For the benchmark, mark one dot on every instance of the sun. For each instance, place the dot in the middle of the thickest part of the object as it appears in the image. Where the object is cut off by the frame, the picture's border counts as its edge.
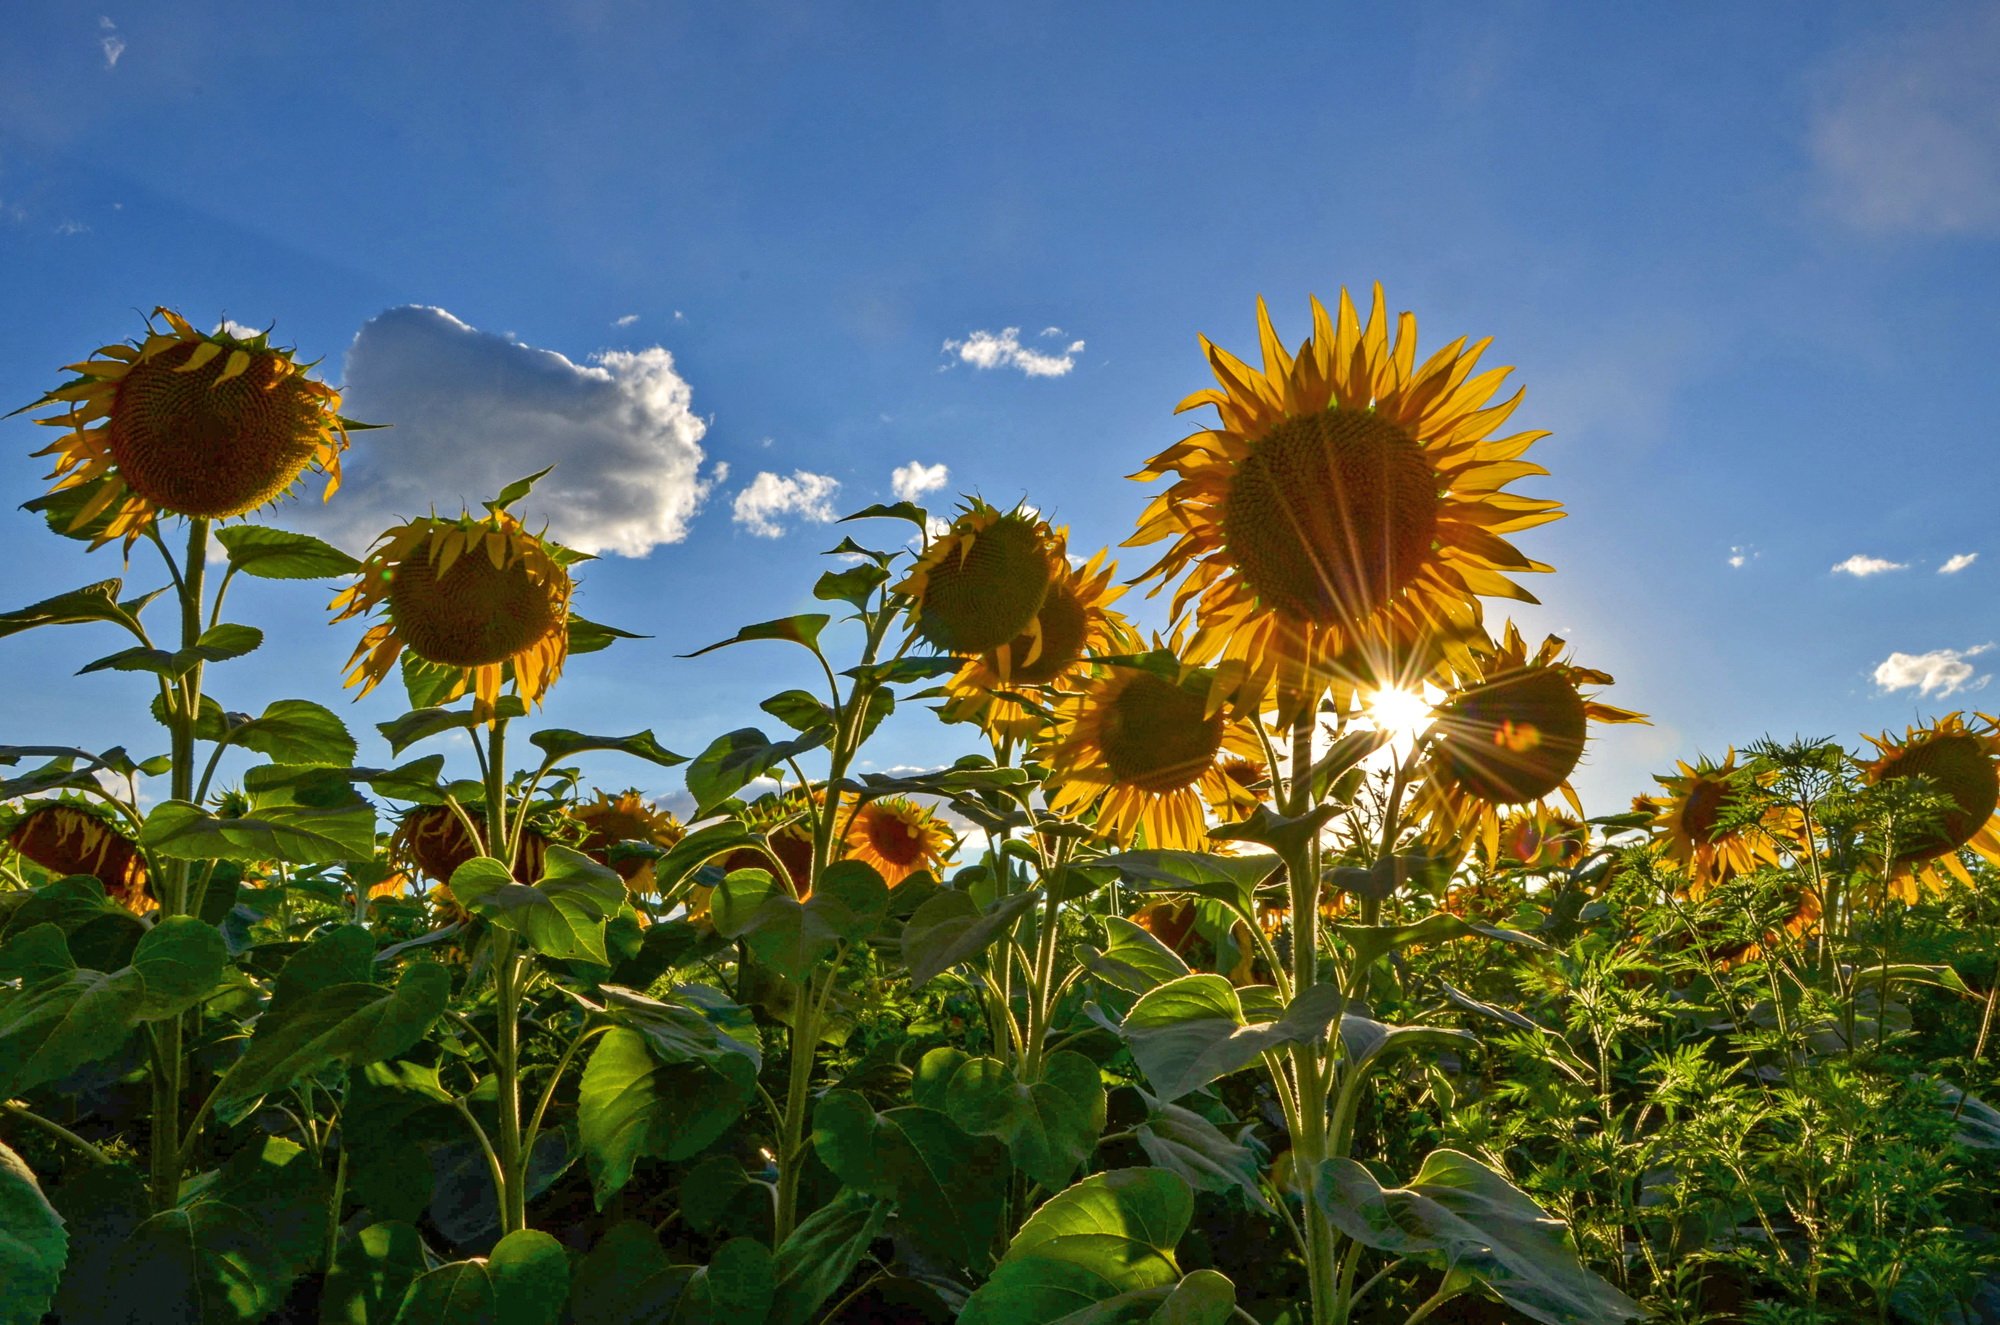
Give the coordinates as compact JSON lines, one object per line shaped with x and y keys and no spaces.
{"x":1404,"y":714}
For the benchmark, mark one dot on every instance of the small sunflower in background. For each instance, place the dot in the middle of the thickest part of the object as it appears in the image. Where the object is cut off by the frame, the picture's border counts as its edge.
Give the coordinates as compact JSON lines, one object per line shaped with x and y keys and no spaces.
{"x":1245,"y":783}
{"x":1539,"y":837}
{"x":1074,"y":622}
{"x":898,"y":837}
{"x":980,"y":584}
{"x":785,"y":821}
{"x":1347,"y":498}
{"x":1958,"y":760}
{"x":66,"y":838}
{"x":1687,"y":822}
{"x":185,"y":423}
{"x":1510,"y":733}
{"x":479,"y":595}
{"x":627,"y":817}
{"x":1145,"y":749}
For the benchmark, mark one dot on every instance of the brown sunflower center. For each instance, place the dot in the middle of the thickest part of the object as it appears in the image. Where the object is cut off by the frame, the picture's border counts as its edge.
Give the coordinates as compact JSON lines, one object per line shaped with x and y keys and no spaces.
{"x":195,"y":446}
{"x":1515,"y":738}
{"x":432,"y":839}
{"x":894,"y":838}
{"x":1703,"y":811}
{"x":66,"y":841}
{"x":1065,"y":626}
{"x":1155,"y":737}
{"x":1331,"y":515}
{"x":980,"y":597}
{"x":1956,"y":765}
{"x":474,"y":614}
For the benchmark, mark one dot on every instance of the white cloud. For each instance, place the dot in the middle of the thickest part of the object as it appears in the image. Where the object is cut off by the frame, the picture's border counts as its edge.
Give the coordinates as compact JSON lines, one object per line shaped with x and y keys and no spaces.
{"x":1957,"y":563}
{"x":1860,"y":565}
{"x":1052,"y":331}
{"x":1941,"y":671}
{"x":472,"y":411}
{"x":1906,"y":134}
{"x":761,"y":507}
{"x":913,"y":480}
{"x":985,"y":349}
{"x":110,"y":42}
{"x":72,"y":228}
{"x":626,"y":321}
{"x":1737,"y":559}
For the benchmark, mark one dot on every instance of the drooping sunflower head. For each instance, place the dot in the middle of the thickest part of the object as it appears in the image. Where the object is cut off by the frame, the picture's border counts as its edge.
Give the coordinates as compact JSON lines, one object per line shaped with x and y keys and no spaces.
{"x":432,"y":840}
{"x":1141,"y":744}
{"x":480,"y":596}
{"x":1509,"y":732}
{"x":785,"y":822}
{"x":979,"y":585}
{"x":628,"y":817}
{"x":1074,"y":622}
{"x":1689,"y":824}
{"x":1957,"y":759}
{"x":1345,"y":495}
{"x":898,"y":837}
{"x":67,"y":838}
{"x":185,"y":423}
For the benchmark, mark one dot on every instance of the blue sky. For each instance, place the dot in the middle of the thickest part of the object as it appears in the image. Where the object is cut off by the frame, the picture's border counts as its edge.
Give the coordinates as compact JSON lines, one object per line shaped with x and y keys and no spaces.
{"x":1743,"y":257}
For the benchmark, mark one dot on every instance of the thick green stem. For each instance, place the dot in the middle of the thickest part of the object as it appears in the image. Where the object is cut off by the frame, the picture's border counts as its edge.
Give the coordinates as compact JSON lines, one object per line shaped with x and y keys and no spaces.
{"x":166,"y":1141}
{"x":791,"y":1139}
{"x":507,"y":1071}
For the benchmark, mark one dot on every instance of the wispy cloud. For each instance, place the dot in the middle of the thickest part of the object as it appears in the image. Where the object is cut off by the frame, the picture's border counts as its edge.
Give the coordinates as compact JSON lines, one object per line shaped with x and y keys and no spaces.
{"x":108,"y":40}
{"x":473,"y":411}
{"x":1939,"y":673}
{"x":1906,"y":134}
{"x":1957,"y":563}
{"x":1741,"y":554}
{"x":763,"y":507}
{"x":626,"y":321}
{"x":986,"y":349}
{"x":1861,"y":566}
{"x":913,"y":480}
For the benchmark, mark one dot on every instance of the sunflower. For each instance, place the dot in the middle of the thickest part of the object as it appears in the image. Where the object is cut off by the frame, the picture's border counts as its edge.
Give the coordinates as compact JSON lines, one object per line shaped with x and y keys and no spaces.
{"x":1074,"y":622}
{"x":1688,"y":824}
{"x":627,"y":818}
{"x":1346,"y":497}
{"x":1146,"y":750}
{"x":478,"y":595}
{"x":1959,"y":761}
{"x":432,"y":841}
{"x":980,"y":584}
{"x":786,"y":826}
{"x":1244,"y":784}
{"x":1510,"y":733}
{"x":898,"y":837}
{"x":206,"y":426}
{"x":65,"y":839}
{"x":1539,"y":837}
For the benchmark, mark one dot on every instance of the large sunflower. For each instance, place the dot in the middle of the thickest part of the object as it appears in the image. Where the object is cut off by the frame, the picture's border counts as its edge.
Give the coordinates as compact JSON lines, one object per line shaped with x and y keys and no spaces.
{"x":66,"y":839}
{"x":477,"y":595}
{"x":1957,"y":760}
{"x":431,"y":840}
{"x":1347,"y":496}
{"x":1147,"y":751}
{"x":1687,"y":822}
{"x":897,"y":837}
{"x":1510,"y":733}
{"x":1074,"y":622}
{"x":189,"y":424}
{"x":980,"y":584}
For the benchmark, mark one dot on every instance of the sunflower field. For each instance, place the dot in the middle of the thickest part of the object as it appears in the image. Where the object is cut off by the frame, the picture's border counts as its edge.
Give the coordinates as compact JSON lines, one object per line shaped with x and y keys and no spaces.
{"x":1267,"y":969}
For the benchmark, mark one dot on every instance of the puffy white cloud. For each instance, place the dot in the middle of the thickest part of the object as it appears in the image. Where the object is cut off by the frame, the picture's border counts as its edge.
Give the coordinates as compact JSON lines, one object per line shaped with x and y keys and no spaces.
{"x":763,"y":506}
{"x":1906,"y":134}
{"x":1860,"y":566}
{"x":109,"y":42}
{"x":985,"y":349}
{"x":1737,"y":556}
{"x":913,"y":480}
{"x":1958,"y":562}
{"x":472,"y":411}
{"x":1940,"y":672}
